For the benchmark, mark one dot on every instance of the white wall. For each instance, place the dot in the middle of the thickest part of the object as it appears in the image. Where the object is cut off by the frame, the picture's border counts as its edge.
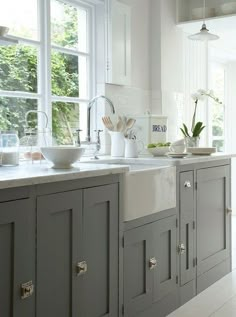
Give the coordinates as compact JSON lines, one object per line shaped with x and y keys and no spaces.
{"x":166,"y":63}
{"x":157,"y":52}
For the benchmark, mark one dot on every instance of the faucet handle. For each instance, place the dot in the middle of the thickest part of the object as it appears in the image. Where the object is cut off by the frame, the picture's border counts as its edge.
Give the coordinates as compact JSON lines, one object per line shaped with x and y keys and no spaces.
{"x":78,"y":142}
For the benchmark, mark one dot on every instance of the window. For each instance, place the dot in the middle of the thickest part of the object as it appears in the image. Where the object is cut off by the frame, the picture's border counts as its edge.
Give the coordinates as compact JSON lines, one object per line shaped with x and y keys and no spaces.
{"x":217,"y":111}
{"x":50,"y":69}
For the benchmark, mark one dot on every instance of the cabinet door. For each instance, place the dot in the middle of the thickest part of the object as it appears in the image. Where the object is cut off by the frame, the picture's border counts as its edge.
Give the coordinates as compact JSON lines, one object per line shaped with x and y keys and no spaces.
{"x":17,"y":257}
{"x":138,"y":277}
{"x":186,"y":201}
{"x":98,"y":288}
{"x":119,"y":43}
{"x":213,"y":232}
{"x":58,"y":227}
{"x":165,"y":251}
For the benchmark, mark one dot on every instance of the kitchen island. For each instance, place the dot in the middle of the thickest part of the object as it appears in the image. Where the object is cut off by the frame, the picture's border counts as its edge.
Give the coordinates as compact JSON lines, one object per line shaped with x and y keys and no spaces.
{"x":65,"y":243}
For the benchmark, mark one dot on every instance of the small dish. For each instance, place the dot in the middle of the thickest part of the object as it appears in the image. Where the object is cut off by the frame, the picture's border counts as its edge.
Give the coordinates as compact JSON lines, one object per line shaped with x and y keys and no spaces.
{"x":177,"y":155}
{"x":201,"y":150}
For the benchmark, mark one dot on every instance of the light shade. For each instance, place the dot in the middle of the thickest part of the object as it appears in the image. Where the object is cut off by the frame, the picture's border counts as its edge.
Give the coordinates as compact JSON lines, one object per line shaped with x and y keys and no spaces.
{"x":204,"y":35}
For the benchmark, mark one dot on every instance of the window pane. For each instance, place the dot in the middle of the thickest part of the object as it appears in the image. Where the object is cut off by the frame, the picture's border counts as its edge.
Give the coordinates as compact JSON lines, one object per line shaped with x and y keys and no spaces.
{"x":21,"y":16}
{"x":67,"y":118}
{"x":12,"y":113}
{"x":219,"y":144}
{"x":68,"y":26}
{"x":67,"y":70}
{"x":18,"y":68}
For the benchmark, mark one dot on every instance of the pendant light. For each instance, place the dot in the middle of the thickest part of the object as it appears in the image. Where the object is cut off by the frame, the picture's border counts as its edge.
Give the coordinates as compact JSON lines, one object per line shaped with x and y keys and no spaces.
{"x":204,"y":34}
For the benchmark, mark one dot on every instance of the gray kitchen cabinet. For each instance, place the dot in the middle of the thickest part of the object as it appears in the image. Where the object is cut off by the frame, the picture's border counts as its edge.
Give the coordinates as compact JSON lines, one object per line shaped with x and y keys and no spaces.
{"x":204,"y":233}
{"x":149,"y":264}
{"x":59,"y":226}
{"x":77,"y":253}
{"x":187,"y":226}
{"x":213,"y":219}
{"x":98,"y":288}
{"x":17,"y":258}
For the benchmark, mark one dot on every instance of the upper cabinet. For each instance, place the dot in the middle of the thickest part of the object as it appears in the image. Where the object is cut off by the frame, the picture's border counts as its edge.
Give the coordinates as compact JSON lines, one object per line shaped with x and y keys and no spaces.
{"x":118,"y":70}
{"x":191,"y":10}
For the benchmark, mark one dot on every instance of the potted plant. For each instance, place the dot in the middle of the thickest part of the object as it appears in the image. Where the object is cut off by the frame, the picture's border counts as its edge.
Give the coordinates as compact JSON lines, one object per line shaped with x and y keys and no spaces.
{"x":192,"y":137}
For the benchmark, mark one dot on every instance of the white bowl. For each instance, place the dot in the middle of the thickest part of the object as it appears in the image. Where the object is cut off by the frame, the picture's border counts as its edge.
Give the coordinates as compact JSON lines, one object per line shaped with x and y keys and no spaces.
{"x":3,"y":30}
{"x":228,"y":8}
{"x":159,"y":151}
{"x":62,"y":156}
{"x":197,"y":13}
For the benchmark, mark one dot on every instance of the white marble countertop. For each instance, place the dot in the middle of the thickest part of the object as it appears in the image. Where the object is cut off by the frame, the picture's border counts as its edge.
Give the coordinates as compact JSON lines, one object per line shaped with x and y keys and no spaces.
{"x":39,"y":173}
{"x":164,"y":160}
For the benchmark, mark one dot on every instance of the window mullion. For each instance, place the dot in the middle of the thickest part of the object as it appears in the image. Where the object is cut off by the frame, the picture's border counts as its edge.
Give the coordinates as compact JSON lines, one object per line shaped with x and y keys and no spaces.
{"x":45,"y":59}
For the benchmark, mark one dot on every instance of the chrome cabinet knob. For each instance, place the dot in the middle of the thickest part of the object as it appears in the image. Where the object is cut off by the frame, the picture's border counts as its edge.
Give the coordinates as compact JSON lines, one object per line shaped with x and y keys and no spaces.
{"x":181,"y":249}
{"x":81,"y":268}
{"x":229,"y":211}
{"x":27,"y":289}
{"x":152,"y":263}
{"x":187,"y":184}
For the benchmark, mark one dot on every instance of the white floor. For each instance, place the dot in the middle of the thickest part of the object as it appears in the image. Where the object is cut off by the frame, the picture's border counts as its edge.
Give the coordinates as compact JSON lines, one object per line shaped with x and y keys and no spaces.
{"x":219,"y":300}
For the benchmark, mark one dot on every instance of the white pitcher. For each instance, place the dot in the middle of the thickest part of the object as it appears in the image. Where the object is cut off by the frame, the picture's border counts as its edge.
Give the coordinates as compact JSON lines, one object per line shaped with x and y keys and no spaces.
{"x":117,"y":144}
{"x":133,"y":148}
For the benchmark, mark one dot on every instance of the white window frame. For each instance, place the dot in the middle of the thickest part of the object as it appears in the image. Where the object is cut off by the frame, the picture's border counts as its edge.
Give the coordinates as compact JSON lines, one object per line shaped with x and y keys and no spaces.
{"x":211,"y":137}
{"x":44,"y":95}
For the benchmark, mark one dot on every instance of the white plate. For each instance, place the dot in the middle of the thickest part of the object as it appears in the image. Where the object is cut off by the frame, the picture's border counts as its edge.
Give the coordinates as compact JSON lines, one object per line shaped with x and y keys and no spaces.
{"x":201,"y":150}
{"x":177,"y":155}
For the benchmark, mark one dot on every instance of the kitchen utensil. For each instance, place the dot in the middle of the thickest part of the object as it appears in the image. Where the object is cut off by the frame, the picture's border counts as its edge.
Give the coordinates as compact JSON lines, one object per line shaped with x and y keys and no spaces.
{"x":129,"y":125}
{"x":120,"y":125}
{"x":117,"y":144}
{"x":201,"y":150}
{"x":108,"y":123}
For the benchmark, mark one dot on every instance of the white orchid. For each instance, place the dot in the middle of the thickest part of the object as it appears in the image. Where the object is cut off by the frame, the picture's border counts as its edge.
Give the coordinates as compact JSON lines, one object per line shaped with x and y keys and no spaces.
{"x":201,"y":95}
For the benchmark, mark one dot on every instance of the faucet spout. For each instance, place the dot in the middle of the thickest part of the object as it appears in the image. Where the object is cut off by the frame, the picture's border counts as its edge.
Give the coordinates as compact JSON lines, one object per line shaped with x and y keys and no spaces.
{"x":90,"y":105}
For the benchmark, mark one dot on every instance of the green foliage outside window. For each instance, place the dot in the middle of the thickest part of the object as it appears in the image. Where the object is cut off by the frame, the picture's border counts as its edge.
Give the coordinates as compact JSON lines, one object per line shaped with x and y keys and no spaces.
{"x":18,"y":72}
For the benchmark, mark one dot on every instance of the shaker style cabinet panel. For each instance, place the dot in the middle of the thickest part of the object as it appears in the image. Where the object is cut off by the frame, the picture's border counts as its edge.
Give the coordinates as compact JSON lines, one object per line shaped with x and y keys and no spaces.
{"x":139,"y":262}
{"x":118,"y":43}
{"x":187,"y":225}
{"x":213,"y":220}
{"x":17,"y":258}
{"x":59,"y":228}
{"x":98,"y":288}
{"x":150,"y":256}
{"x":77,"y":253}
{"x":165,"y":245}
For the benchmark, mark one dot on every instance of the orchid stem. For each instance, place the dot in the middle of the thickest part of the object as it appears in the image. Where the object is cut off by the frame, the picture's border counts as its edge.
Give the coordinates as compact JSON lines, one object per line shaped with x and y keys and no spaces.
{"x":194,"y":115}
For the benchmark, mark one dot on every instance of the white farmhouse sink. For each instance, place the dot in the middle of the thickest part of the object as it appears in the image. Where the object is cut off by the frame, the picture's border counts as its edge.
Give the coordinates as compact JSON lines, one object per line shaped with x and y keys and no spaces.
{"x":146,"y":189}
